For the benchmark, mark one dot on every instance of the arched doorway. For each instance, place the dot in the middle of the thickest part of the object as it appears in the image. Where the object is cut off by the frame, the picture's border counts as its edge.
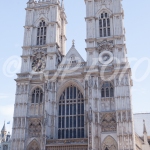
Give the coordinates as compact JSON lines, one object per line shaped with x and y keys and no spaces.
{"x":33,"y":145}
{"x":109,"y":143}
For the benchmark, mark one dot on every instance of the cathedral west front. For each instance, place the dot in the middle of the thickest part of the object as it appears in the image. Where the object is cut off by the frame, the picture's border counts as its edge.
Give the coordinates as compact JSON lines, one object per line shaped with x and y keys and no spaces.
{"x":64,"y":102}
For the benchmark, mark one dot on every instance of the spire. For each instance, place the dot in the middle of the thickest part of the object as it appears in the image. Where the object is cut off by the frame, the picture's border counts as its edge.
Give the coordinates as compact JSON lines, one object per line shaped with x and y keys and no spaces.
{"x":4,"y":128}
{"x":73,"y":43}
{"x":30,"y":1}
{"x":144,"y":127}
{"x":62,"y":4}
{"x":145,"y":133}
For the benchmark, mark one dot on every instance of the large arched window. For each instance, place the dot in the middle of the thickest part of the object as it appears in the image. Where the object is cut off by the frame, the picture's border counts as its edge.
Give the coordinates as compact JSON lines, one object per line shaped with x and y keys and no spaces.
{"x":41,"y":33}
{"x":37,"y":96}
{"x":107,"y":90}
{"x":104,"y":25}
{"x":71,"y":114}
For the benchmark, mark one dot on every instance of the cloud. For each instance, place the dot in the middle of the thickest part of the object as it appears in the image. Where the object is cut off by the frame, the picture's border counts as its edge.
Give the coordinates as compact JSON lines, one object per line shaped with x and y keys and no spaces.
{"x":3,"y":96}
{"x":139,"y":90}
{"x":7,"y":110}
{"x":17,"y":45}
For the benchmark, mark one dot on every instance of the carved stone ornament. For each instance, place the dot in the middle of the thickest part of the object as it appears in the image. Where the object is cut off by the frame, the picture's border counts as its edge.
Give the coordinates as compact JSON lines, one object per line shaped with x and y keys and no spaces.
{"x":105,"y":45}
{"x":33,"y":146}
{"x":106,"y":57}
{"x":35,"y":128}
{"x":39,"y":60}
{"x":108,"y":122}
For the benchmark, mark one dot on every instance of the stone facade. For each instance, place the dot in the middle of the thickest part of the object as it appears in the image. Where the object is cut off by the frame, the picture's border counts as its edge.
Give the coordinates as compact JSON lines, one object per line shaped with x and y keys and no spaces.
{"x":5,"y":139}
{"x":64,"y":102}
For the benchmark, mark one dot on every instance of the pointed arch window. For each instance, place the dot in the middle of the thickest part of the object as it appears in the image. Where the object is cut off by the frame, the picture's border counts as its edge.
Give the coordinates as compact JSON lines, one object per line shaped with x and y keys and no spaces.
{"x":41,"y":33}
{"x":104,"y":25}
{"x":71,"y":114}
{"x":107,"y":90}
{"x":37,"y":96}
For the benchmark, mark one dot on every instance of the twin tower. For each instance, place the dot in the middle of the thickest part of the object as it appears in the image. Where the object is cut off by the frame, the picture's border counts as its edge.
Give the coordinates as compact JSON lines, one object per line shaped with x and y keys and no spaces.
{"x":64,"y":102}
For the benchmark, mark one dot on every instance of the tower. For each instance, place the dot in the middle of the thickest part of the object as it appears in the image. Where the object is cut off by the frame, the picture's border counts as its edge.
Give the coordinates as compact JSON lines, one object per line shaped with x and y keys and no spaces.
{"x":63,"y":102}
{"x":43,"y":50}
{"x":107,"y":63}
{"x":3,"y":134}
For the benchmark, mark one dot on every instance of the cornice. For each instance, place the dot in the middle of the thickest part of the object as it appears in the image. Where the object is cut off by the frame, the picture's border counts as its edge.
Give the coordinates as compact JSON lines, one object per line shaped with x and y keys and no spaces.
{"x":40,"y":46}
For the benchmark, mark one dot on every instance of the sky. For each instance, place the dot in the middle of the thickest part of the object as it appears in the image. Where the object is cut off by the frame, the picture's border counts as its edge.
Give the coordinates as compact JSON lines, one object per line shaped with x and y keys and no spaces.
{"x":137,"y":25}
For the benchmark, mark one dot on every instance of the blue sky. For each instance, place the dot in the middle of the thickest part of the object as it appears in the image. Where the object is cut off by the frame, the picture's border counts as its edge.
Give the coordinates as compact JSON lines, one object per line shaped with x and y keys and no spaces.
{"x":137,"y":25}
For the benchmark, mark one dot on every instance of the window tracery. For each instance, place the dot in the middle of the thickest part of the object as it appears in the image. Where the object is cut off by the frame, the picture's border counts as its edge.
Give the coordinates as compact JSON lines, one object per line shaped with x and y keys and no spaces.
{"x":104,"y":25}
{"x":71,"y":114}
{"x":37,"y":96}
{"x":107,"y":90}
{"x":41,"y":33}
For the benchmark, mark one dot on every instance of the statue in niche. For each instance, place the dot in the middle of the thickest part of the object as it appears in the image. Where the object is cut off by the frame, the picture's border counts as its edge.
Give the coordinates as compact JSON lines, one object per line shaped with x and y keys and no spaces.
{"x":90,"y":115}
{"x":112,"y":105}
{"x":107,"y":105}
{"x":52,"y":121}
{"x":117,"y":82}
{"x":103,"y":107}
{"x":124,"y":116}
{"x":19,"y":122}
{"x":91,"y":82}
{"x":46,"y":118}
{"x":95,"y":86}
{"x":119,"y":117}
{"x":96,"y":118}
{"x":86,"y":84}
{"x":126,"y":80}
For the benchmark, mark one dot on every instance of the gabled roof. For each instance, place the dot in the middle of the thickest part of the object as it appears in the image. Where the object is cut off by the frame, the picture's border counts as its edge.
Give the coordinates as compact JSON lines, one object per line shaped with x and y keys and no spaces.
{"x":72,"y":52}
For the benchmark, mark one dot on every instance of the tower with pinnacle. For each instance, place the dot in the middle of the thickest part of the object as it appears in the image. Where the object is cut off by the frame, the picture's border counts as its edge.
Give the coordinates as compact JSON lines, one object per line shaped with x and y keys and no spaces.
{"x":63,"y":101}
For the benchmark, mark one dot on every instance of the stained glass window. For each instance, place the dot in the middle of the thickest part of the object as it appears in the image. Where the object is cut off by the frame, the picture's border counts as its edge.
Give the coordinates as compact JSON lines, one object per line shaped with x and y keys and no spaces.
{"x":104,"y":25}
{"x":41,"y":33}
{"x":107,"y":90}
{"x":71,"y":114}
{"x":37,"y":96}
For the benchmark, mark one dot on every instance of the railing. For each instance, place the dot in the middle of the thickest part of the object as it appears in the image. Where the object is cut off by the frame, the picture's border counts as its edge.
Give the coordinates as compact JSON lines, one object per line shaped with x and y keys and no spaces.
{"x":23,"y":75}
{"x":75,"y":65}
{"x":50,"y":1}
{"x":68,"y":141}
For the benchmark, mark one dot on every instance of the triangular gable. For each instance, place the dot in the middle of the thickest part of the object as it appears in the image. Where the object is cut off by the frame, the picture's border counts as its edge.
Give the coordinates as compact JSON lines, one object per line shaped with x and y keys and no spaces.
{"x":72,"y":52}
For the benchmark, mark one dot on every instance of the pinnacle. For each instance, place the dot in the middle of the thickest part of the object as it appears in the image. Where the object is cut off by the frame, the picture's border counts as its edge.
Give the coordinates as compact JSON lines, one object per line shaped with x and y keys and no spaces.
{"x":4,"y":127}
{"x":144,"y":127}
{"x":62,"y":4}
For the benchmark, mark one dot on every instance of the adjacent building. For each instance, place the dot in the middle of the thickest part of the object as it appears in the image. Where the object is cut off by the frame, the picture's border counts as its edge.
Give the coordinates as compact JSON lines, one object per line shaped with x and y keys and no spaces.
{"x":142,"y":131}
{"x":5,"y":143}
